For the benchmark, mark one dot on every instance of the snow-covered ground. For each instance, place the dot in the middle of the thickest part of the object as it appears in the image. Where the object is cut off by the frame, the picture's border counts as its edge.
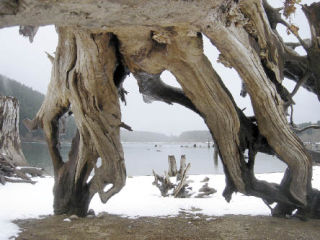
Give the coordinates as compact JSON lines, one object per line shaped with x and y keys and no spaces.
{"x":138,"y":198}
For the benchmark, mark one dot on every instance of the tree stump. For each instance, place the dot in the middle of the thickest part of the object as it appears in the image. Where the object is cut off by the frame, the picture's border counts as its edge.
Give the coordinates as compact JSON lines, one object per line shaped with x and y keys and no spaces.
{"x":13,"y":165}
{"x":10,"y":144}
{"x":179,"y":189}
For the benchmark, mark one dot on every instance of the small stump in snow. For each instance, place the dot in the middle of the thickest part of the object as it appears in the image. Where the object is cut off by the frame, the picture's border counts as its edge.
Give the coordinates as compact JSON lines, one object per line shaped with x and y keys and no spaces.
{"x":181,"y":188}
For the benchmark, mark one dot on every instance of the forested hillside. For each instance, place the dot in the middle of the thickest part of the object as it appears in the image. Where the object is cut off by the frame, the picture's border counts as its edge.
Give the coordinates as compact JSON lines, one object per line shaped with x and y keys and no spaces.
{"x":310,"y":135}
{"x":30,"y":102}
{"x":195,"y":136}
{"x":187,"y":136}
{"x":143,"y":136}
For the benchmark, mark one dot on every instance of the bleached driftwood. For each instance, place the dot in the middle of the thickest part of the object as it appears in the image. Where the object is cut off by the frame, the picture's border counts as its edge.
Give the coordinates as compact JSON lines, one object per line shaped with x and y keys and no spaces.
{"x":10,"y":144}
{"x":181,"y":188}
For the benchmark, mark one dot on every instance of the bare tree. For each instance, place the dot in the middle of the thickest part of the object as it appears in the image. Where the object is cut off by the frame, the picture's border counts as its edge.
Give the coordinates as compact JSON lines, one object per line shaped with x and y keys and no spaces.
{"x":100,"y":42}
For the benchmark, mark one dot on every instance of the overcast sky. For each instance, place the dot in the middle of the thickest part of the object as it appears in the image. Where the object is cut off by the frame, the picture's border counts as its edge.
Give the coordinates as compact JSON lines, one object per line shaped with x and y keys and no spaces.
{"x":28,"y":64}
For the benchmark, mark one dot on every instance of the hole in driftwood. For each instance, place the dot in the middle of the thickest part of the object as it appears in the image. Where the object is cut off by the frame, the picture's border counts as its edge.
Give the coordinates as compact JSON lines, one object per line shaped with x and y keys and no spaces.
{"x":107,"y":187}
{"x":91,"y":175}
{"x":168,"y":78}
{"x":99,"y":162}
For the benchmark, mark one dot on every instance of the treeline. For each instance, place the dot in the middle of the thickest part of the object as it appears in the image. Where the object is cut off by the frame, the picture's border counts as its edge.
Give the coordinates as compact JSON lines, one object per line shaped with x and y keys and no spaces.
{"x":30,"y":102}
{"x":143,"y":136}
{"x":195,"y":136}
{"x":310,"y":135}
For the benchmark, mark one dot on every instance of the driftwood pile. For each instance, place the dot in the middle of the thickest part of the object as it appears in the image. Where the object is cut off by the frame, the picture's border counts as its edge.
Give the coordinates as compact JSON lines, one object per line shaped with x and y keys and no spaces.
{"x":181,"y":188}
{"x":10,"y":172}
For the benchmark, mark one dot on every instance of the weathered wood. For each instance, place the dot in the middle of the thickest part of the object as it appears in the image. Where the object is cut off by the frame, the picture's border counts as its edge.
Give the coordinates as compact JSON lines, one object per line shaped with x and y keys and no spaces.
{"x":28,"y":31}
{"x":154,"y":89}
{"x":12,"y":180}
{"x":267,"y":104}
{"x":215,"y":155}
{"x":8,"y":7}
{"x":179,"y":191}
{"x":164,"y":184}
{"x":9,"y":172}
{"x":182,"y":166}
{"x":101,"y":14}
{"x":33,"y":171}
{"x":172,"y":170}
{"x":194,"y":78}
{"x":84,"y":81}
{"x":10,"y":144}
{"x":107,"y":40}
{"x":205,"y":191}
{"x":197,"y":78}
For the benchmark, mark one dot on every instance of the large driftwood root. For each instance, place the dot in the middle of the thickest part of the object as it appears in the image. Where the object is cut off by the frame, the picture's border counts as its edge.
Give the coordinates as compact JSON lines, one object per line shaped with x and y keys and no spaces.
{"x":89,"y":68}
{"x":203,"y":92}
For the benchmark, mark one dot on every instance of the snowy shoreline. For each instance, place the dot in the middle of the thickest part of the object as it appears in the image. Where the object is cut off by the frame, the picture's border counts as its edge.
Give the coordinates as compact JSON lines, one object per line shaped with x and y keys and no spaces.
{"x":138,"y":198}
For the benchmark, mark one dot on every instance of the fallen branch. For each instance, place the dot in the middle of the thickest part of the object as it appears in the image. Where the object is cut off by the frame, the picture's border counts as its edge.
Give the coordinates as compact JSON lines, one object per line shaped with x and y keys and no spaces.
{"x":300,"y":130}
{"x":7,"y":179}
{"x":9,"y":172}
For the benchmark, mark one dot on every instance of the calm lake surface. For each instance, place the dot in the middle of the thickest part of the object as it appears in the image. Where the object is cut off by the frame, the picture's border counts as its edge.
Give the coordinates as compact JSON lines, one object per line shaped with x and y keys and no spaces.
{"x":141,"y":158}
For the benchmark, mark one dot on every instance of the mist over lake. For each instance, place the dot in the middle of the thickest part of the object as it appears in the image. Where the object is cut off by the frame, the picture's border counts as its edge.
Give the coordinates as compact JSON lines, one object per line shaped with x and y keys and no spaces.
{"x":141,"y":158}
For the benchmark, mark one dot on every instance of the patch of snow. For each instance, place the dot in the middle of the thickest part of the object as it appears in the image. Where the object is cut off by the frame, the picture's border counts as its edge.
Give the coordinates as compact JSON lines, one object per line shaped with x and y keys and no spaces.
{"x":24,"y":200}
{"x":138,"y":198}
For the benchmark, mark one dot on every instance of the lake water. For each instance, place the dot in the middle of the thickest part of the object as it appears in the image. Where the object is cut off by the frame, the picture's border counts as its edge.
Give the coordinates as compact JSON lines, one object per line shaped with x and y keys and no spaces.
{"x":141,"y":158}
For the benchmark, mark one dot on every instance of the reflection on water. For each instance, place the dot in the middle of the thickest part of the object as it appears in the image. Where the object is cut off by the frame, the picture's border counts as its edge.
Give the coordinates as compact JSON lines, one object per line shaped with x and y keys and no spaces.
{"x":37,"y":154}
{"x":141,"y":158}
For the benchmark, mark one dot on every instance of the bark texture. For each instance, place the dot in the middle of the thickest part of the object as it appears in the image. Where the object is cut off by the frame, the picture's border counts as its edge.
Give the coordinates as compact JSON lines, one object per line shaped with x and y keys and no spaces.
{"x":104,"y":41}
